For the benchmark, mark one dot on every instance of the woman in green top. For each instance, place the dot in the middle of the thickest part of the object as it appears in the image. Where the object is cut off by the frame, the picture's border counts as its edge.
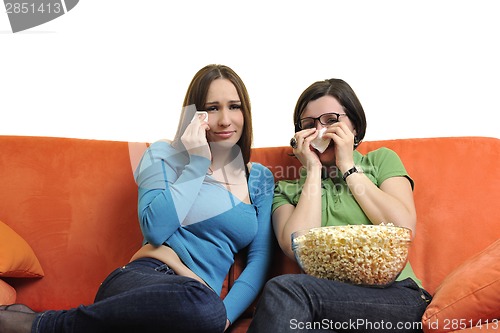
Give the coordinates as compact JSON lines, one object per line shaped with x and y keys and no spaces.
{"x":339,"y":186}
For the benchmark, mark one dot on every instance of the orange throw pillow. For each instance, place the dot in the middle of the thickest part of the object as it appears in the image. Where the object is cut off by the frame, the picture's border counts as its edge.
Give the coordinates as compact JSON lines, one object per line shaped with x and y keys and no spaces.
{"x":17,"y":258}
{"x":467,"y":296}
{"x":7,"y":294}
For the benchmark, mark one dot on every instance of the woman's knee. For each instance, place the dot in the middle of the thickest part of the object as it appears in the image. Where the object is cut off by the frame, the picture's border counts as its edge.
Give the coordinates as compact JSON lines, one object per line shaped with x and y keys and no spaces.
{"x":288,"y":284}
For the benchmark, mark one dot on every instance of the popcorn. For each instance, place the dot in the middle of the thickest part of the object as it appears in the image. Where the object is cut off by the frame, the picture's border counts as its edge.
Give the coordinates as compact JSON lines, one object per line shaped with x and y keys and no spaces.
{"x":319,"y":143}
{"x":358,"y":254}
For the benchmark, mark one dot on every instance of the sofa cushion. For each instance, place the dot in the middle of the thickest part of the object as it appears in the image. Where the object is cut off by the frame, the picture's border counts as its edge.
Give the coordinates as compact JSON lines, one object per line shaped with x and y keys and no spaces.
{"x":468,"y":295}
{"x":7,"y":293}
{"x":17,"y":258}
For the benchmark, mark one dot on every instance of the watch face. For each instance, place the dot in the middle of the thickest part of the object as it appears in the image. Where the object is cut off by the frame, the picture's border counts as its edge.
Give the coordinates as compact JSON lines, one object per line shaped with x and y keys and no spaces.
{"x":350,"y":172}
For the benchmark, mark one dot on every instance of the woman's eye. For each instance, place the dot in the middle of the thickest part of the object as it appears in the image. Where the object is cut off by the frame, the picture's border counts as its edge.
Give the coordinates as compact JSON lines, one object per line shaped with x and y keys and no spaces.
{"x":211,"y":108}
{"x":235,"y":107}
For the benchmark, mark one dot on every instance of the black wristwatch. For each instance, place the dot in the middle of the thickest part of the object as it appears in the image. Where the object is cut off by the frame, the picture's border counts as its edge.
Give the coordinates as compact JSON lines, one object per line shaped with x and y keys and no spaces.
{"x":350,"y":172}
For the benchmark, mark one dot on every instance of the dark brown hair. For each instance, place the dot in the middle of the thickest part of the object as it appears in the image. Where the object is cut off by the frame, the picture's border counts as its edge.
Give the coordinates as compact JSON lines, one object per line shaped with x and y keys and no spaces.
{"x":197,"y":94}
{"x":343,"y":93}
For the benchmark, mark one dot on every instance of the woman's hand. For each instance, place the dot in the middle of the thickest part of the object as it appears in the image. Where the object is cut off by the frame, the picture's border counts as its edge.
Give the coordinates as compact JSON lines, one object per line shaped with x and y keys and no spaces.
{"x":194,"y":138}
{"x":343,"y":140}
{"x":304,"y":150}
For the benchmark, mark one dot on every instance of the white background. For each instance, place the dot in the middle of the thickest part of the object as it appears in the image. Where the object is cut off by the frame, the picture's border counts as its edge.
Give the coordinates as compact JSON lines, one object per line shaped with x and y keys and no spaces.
{"x":118,"y":69}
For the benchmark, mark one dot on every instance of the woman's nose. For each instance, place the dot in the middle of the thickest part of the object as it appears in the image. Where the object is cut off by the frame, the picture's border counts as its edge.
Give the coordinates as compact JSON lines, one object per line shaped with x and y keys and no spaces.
{"x":224,"y":118}
{"x":319,"y":125}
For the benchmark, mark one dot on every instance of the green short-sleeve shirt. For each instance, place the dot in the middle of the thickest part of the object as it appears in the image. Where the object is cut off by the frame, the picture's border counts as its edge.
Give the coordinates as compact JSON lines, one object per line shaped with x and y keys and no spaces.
{"x":338,"y":204}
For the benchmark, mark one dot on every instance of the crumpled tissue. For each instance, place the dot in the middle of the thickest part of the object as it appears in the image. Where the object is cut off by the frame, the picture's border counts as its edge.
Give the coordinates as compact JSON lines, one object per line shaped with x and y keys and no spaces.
{"x":319,"y":143}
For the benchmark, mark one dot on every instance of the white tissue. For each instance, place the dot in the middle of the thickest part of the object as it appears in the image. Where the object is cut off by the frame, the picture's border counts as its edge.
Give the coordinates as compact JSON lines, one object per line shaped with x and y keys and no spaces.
{"x":198,"y":113}
{"x":319,"y":143}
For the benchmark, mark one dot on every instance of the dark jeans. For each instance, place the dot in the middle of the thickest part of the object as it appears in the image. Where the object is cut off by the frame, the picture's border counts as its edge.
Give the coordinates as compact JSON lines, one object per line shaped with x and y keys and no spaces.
{"x":302,"y":303}
{"x":143,"y":296}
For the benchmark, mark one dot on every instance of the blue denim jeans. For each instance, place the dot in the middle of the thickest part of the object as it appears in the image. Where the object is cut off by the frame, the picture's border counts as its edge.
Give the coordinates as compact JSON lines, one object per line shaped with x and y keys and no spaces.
{"x":143,"y":296}
{"x":302,"y":303}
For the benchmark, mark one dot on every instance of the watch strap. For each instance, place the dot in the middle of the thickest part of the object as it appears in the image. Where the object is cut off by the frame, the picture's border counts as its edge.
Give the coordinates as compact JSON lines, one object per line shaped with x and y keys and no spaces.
{"x":349,"y":172}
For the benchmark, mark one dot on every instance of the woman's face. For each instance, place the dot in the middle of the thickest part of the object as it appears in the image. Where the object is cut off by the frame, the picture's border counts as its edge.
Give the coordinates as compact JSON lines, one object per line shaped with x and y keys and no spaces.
{"x":225,"y":116}
{"x":318,"y":107}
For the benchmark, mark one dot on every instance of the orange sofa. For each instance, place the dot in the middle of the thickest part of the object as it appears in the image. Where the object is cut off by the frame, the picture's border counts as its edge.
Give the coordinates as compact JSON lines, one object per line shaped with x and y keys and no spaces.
{"x":74,"y":202}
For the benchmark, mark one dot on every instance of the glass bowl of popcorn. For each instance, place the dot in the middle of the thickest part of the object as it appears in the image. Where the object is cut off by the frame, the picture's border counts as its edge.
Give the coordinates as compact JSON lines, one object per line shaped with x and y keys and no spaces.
{"x":370,"y":255}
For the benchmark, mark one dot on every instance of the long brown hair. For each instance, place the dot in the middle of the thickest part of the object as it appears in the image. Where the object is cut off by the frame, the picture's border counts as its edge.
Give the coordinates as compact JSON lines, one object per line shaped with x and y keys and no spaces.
{"x":196,"y":97}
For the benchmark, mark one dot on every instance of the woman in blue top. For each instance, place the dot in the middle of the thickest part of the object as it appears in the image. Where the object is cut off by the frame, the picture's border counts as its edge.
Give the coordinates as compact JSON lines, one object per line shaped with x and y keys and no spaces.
{"x":339,"y":186}
{"x":200,"y":202}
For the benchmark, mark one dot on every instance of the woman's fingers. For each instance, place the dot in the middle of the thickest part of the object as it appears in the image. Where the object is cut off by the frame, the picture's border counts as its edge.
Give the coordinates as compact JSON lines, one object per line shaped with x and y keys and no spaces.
{"x":343,"y":139}
{"x":194,"y":137}
{"x":340,"y":134}
{"x":304,"y":138}
{"x":303,"y":150}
